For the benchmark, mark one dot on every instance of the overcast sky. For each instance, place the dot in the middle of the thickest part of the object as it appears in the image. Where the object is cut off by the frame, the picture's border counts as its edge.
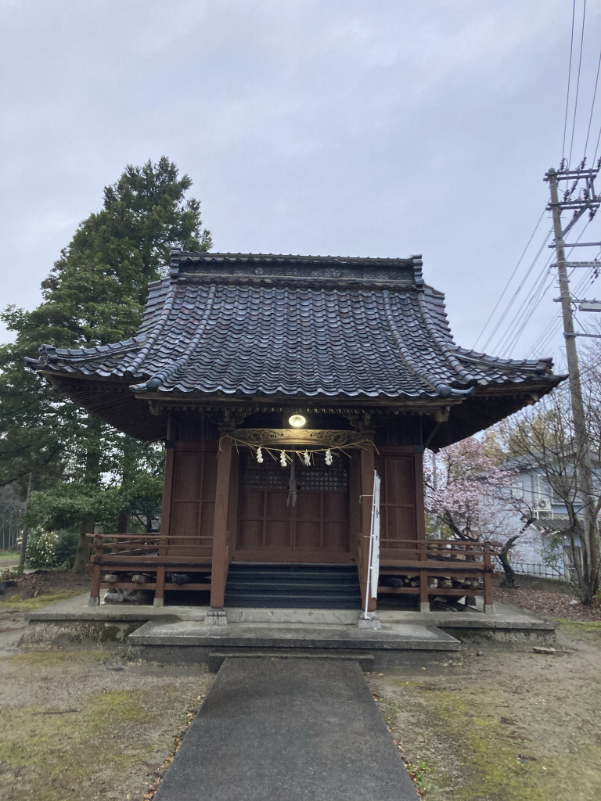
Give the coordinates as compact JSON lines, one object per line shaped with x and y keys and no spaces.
{"x":371,"y":128}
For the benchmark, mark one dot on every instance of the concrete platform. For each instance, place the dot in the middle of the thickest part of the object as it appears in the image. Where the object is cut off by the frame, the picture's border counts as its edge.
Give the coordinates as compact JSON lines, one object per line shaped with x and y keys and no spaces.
{"x":288,"y":730}
{"x":393,"y":645}
{"x":74,"y":621}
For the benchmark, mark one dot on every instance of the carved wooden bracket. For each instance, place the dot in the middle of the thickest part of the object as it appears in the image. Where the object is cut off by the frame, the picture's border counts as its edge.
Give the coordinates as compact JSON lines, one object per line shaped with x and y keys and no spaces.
{"x":309,"y":437}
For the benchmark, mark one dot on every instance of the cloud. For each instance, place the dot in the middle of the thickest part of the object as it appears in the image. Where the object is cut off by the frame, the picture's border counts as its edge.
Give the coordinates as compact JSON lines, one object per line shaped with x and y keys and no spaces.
{"x":382,"y":128}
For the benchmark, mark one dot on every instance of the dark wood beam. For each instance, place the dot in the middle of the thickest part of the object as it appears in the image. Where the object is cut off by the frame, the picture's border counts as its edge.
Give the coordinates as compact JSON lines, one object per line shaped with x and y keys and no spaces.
{"x":219,"y":561}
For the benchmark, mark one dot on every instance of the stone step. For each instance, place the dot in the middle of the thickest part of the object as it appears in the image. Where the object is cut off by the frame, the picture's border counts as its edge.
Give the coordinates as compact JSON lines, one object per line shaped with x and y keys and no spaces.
{"x":170,"y":642}
{"x":366,"y":661}
{"x":323,"y":617}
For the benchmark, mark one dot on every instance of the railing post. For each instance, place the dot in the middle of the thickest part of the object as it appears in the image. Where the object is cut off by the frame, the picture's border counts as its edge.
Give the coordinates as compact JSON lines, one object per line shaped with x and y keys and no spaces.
{"x":94,"y":599}
{"x":489,"y":607}
{"x":159,"y":592}
{"x":424,"y":602}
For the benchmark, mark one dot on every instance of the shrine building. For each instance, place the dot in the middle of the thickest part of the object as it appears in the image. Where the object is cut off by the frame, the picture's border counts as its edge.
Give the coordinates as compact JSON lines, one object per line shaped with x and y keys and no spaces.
{"x":279,"y":384}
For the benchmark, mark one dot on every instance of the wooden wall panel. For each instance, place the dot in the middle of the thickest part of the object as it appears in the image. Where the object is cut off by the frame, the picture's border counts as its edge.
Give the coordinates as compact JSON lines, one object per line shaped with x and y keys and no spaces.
{"x":192,"y":498}
{"x":354,"y":505}
{"x":401,"y":498}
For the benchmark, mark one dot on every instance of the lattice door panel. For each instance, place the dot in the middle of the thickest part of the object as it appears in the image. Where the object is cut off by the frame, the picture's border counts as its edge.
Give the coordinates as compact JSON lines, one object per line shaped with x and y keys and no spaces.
{"x":270,"y":526}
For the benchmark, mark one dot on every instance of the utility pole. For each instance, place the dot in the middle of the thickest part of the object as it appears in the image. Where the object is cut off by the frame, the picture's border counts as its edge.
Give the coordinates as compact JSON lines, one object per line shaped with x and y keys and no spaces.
{"x":586,"y":200}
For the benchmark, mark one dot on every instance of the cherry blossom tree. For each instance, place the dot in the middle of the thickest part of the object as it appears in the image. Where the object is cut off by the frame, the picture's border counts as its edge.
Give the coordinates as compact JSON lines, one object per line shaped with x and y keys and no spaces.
{"x":469,"y":497}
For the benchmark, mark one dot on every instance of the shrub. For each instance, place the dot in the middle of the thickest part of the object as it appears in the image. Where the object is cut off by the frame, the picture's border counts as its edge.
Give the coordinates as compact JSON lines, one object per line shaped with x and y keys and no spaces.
{"x":41,"y":548}
{"x":66,"y":548}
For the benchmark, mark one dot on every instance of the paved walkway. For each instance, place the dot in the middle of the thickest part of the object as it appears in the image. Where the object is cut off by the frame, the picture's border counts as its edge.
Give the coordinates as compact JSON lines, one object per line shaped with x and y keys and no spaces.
{"x":287,"y":730}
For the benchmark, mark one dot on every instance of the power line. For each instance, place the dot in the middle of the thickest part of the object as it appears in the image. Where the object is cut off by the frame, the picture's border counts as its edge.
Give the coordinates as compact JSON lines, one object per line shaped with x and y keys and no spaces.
{"x":565,"y":122}
{"x":578,"y":81}
{"x":517,"y":292}
{"x":486,"y":324}
{"x":532,"y":301}
{"x":597,"y":146}
{"x":588,"y":132}
{"x":525,"y":306}
{"x":554,"y":325}
{"x":535,"y":297}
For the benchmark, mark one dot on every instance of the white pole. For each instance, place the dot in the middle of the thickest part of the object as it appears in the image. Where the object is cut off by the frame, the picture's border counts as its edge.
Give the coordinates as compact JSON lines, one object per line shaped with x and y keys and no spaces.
{"x":373,"y":567}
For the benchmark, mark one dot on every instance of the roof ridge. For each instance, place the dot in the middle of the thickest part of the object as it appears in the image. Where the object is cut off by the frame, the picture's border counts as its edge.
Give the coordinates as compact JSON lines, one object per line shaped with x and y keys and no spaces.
{"x":535,"y":364}
{"x":210,"y":255}
{"x":151,"y":340}
{"x":438,"y":340}
{"x":400,"y":343}
{"x":172,"y":369}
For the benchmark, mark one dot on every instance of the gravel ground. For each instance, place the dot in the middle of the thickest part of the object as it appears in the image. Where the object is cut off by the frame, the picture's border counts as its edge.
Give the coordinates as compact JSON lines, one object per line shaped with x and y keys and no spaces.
{"x":42,"y":582}
{"x":502,"y":725}
{"x":87,"y":725}
{"x":547,"y":604}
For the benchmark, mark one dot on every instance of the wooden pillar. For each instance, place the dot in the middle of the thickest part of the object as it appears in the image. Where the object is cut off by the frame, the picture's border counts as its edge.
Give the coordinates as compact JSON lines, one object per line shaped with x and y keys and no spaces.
{"x":489,"y":606}
{"x":420,"y":509}
{"x":159,"y":593}
{"x":354,"y":504}
{"x":424,"y":601}
{"x":94,"y":599}
{"x":219,"y":561}
{"x":367,"y":489}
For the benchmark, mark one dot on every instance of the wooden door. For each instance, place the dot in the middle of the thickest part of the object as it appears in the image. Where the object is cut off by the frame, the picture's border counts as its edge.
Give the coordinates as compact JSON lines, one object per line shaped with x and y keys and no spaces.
{"x":401,"y":516}
{"x":273,"y":528}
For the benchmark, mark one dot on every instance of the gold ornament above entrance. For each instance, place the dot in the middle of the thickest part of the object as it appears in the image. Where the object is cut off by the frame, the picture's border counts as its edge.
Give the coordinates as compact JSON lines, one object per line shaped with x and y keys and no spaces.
{"x":309,"y":437}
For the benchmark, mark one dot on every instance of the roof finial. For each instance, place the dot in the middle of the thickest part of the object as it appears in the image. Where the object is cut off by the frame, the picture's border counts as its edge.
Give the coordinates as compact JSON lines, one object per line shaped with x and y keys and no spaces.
{"x":174,"y":256}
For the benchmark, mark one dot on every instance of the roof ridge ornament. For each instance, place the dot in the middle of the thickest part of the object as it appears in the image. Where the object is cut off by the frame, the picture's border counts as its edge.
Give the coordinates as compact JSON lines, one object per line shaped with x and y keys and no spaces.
{"x":418,"y":274}
{"x":403,"y":350}
{"x":154,"y":335}
{"x":445,"y":391}
{"x":48,"y":355}
{"x":174,"y":261}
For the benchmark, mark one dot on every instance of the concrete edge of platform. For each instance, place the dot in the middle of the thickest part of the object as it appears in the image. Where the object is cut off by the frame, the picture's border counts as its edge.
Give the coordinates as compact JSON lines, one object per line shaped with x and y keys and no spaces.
{"x":366,"y":661}
{"x":212,"y":657}
{"x":70,"y":622}
{"x":186,"y":635}
{"x":77,"y":609}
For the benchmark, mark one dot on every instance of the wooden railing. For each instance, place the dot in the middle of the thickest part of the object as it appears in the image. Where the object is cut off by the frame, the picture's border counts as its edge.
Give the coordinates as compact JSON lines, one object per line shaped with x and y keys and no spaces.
{"x":467,"y":566}
{"x":133,"y":547}
{"x":427,"y":567}
{"x":147,"y":554}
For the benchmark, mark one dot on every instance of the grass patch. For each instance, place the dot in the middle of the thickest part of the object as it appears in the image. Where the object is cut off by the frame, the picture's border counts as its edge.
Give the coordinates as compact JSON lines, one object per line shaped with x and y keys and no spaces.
{"x":420,"y":774}
{"x":587,"y":630}
{"x":17,"y":604}
{"x":7,"y":556}
{"x":494,"y":770}
{"x":89,"y":750}
{"x":57,"y":658}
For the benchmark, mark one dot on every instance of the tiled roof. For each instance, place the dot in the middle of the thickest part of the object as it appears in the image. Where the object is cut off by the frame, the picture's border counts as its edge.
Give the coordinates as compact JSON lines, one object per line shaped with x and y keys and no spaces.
{"x":265,"y":325}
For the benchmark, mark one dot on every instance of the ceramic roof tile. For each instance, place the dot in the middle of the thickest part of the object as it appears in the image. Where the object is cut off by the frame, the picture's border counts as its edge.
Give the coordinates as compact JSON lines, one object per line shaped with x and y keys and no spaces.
{"x":298,"y":326}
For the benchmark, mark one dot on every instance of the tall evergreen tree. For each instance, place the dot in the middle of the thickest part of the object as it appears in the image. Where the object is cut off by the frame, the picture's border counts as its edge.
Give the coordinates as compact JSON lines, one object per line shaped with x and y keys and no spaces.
{"x":94,"y":294}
